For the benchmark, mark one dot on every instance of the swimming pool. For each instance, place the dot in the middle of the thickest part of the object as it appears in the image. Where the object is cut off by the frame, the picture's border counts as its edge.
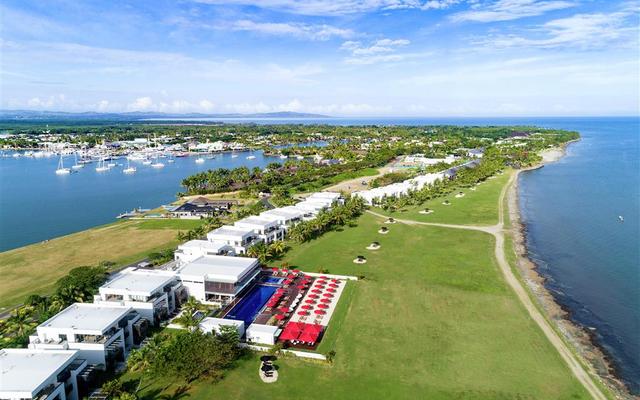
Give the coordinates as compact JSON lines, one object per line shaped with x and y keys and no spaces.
{"x":272,"y":279}
{"x":251,"y":304}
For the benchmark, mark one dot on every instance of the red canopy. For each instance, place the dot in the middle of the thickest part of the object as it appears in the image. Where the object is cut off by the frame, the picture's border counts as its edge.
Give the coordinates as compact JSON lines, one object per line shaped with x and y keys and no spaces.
{"x":335,"y":281}
{"x":288,"y":281}
{"x":310,"y":333}
{"x":324,"y":277}
{"x":291,"y":331}
{"x":301,"y":287}
{"x":325,"y":300}
{"x":307,"y":307}
{"x":327,"y":295}
{"x":333,"y":285}
{"x":280,"y":317}
{"x":320,"y":312}
{"x":331,"y":290}
{"x":317,"y":291}
{"x":313,"y":296}
{"x":291,"y":276}
{"x":323,"y":305}
{"x":321,"y":281}
{"x":310,"y":301}
{"x":296,"y":271}
{"x":303,"y":312}
{"x":285,"y":270}
{"x":275,"y":269}
{"x":284,"y":309}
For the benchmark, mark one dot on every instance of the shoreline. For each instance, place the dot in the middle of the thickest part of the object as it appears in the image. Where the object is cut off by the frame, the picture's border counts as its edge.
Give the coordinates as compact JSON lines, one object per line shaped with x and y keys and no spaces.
{"x":579,"y":337}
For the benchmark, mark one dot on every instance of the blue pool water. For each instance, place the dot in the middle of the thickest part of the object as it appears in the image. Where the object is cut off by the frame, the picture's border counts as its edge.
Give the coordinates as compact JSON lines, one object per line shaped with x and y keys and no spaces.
{"x":247,"y":309}
{"x":272,"y":279}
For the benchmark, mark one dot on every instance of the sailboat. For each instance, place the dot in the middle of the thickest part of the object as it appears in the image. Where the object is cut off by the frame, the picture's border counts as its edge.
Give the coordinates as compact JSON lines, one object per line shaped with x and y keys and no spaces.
{"x":61,"y":169}
{"x":171,"y":160}
{"x":157,"y":164}
{"x":199,"y":160}
{"x":76,"y":165}
{"x":101,"y":166}
{"x":129,"y":169}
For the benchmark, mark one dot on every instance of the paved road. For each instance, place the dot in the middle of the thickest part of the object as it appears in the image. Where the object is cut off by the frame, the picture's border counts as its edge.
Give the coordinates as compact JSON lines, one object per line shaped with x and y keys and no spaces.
{"x":585,"y":378}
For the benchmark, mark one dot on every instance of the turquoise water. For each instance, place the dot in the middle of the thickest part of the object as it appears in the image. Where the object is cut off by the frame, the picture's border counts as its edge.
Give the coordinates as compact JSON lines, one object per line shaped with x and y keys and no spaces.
{"x":571,"y":208}
{"x":36,"y":204}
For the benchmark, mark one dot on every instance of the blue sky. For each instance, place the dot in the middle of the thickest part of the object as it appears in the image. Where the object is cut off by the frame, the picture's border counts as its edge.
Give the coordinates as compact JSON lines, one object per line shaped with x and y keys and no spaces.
{"x":340,"y":57}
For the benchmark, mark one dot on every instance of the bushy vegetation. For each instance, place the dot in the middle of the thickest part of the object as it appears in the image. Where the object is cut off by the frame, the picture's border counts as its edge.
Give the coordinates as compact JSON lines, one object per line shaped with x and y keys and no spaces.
{"x":325,"y":221}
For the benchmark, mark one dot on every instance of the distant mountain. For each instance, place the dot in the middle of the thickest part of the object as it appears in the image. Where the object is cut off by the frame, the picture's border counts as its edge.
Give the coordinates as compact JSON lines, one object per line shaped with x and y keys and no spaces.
{"x":14,"y":115}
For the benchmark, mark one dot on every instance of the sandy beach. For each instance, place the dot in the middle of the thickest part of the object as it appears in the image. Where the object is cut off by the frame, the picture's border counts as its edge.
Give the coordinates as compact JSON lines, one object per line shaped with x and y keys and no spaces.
{"x":578,"y":337}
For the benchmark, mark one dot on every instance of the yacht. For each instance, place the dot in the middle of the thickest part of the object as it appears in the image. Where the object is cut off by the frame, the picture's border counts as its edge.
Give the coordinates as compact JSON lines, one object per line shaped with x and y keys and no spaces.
{"x":282,"y":156}
{"x":234,"y":155}
{"x":146,"y":162}
{"x":129,"y":169}
{"x":61,"y":169}
{"x":199,"y":160}
{"x":101,"y":166}
{"x":77,"y":165}
{"x":250,"y":157}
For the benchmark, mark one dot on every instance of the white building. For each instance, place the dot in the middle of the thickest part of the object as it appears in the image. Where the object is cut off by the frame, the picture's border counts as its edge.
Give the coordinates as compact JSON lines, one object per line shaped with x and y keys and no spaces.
{"x":154,"y":294}
{"x":331,"y":197}
{"x":286,"y":217}
{"x":212,"y":325}
{"x":267,"y":229}
{"x":240,"y":239}
{"x":218,"y":279}
{"x":194,"y":249}
{"x":40,"y":374}
{"x":103,"y":334}
{"x":310,"y":209}
{"x":263,"y":334}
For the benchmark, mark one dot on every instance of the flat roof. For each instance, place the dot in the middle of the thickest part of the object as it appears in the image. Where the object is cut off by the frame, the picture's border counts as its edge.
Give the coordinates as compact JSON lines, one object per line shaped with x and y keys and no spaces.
{"x":288,"y":212}
{"x":254,"y":220}
{"x":210,"y":324}
{"x":200,"y":244}
{"x":272,"y":329}
{"x":325,"y":195}
{"x":86,"y":317}
{"x":23,"y":371}
{"x":229,"y":230}
{"x":138,"y":281}
{"x":219,"y":268}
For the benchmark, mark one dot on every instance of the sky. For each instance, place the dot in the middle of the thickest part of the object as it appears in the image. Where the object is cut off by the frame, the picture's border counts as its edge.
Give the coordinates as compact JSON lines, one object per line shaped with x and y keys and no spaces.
{"x":425,"y":58}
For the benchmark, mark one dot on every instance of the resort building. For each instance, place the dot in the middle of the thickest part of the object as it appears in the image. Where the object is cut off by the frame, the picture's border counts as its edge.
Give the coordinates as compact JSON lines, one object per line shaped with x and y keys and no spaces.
{"x":262,"y":334}
{"x":240,"y":239}
{"x":154,"y":294}
{"x":285,"y":216}
{"x":194,"y":249}
{"x":212,"y":325}
{"x":40,"y":374}
{"x":327,"y":197}
{"x":218,"y":280}
{"x":375,"y":195}
{"x":201,"y":207}
{"x":267,"y":229}
{"x":310,"y":209}
{"x":103,"y":334}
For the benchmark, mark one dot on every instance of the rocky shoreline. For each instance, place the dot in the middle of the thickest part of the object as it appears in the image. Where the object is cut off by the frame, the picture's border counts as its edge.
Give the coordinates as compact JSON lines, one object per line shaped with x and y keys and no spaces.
{"x":582,"y":340}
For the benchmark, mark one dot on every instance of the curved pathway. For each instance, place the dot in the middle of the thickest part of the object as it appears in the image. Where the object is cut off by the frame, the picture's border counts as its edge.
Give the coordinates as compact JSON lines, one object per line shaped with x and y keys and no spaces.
{"x":498,"y":233}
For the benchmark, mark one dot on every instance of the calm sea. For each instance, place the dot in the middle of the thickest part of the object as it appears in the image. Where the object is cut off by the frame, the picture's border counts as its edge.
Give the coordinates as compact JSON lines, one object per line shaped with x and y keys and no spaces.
{"x":571,"y":208}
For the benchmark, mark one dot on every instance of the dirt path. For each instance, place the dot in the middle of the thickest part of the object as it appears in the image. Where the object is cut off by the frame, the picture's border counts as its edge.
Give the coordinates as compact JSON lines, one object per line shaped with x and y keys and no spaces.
{"x":498,"y":233}
{"x":354,"y":185}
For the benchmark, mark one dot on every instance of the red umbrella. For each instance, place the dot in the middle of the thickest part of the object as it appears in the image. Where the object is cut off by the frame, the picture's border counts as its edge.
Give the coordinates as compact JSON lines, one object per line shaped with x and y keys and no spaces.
{"x":317,"y":291}
{"x":307,"y":307}
{"x":280,"y":291}
{"x":285,"y":270}
{"x":321,"y":281}
{"x":296,"y":271}
{"x":320,"y":312}
{"x":333,"y":285}
{"x":327,"y":295}
{"x":291,"y":276}
{"x":310,"y":301}
{"x":335,"y":281}
{"x":303,"y":312}
{"x":325,"y":300}
{"x":324,"y":277}
{"x":319,"y":286}
{"x":301,"y":287}
{"x":283,"y":309}
{"x":331,"y":290}
{"x":323,"y":306}
{"x":275,"y":269}
{"x":313,"y":296}
{"x":280,"y":317}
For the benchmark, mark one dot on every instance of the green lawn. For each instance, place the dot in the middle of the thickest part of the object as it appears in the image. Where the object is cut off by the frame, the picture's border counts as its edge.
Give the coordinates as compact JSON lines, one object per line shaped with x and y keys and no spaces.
{"x":35,"y":268}
{"x":432,"y":319}
{"x":477,"y":207}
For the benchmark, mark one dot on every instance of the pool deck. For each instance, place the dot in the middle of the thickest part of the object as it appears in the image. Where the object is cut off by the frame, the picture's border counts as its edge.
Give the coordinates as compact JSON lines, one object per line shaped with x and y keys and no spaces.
{"x":319,"y":319}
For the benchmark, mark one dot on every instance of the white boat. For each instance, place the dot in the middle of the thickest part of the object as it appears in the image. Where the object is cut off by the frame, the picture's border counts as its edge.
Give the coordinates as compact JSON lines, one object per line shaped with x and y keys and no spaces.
{"x":111,"y":164}
{"x":129,"y":169}
{"x":199,"y":160}
{"x":250,"y":157}
{"x":101,"y":166}
{"x":171,"y":161}
{"x":61,"y":169}
{"x":282,"y":156}
{"x":157,"y":164}
{"x":234,"y":155}
{"x":621,"y":218}
{"x":146,"y":162}
{"x":76,"y":165}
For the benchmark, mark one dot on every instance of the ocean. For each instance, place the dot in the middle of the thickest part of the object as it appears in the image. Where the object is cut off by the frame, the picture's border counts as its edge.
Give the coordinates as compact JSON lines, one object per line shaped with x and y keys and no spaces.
{"x":590,"y":258}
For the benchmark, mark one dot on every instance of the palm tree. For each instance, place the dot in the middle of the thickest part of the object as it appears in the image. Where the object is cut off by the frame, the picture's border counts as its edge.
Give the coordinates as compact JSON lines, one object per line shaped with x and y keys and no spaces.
{"x":21,"y":322}
{"x":277,"y":247}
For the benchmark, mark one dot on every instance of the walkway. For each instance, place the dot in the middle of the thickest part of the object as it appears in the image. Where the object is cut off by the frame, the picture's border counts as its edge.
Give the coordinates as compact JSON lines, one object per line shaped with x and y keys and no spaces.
{"x":498,"y":233}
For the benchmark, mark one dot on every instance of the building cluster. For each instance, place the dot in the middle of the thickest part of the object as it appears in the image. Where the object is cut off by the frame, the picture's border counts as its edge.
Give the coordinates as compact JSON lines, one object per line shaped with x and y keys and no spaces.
{"x":376,"y":195}
{"x":67,"y":350}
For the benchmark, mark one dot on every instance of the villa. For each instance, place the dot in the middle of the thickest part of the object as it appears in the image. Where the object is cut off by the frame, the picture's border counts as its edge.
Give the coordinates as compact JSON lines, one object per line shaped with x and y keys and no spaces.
{"x":267,"y":229}
{"x":41,"y":374}
{"x":330,"y":197}
{"x":154,"y":294}
{"x":310,"y":209}
{"x":201,"y":207}
{"x":218,"y":280}
{"x":212,"y":325}
{"x":103,"y":334}
{"x":286,"y":217}
{"x":239,"y":238}
{"x":195,"y":249}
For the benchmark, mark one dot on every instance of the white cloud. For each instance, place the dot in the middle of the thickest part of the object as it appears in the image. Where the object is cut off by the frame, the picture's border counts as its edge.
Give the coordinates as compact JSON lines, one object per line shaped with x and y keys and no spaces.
{"x":141,"y":104}
{"x":580,"y":30}
{"x":379,"y":51}
{"x":334,"y":7}
{"x":299,"y":30}
{"x":506,"y":10}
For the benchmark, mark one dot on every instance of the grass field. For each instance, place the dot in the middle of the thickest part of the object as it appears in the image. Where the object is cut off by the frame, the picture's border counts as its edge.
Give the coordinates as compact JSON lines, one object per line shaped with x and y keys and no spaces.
{"x":477,"y":207}
{"x":35,"y":268}
{"x":432,"y":319}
